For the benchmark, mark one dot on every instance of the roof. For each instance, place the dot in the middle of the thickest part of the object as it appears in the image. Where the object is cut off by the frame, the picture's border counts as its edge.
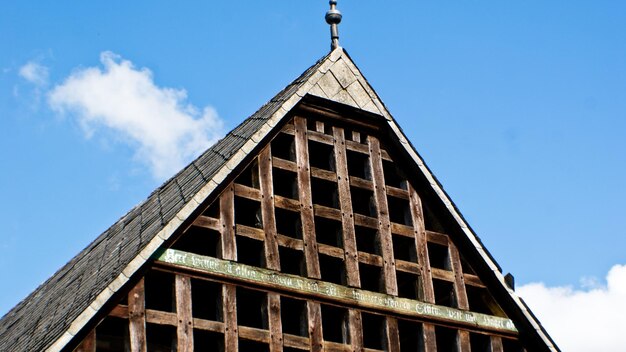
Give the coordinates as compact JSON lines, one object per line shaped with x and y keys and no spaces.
{"x":58,"y":309}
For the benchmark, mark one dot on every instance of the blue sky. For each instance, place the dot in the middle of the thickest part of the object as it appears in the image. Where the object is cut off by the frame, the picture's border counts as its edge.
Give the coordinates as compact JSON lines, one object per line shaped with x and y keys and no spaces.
{"x":519,"y":109}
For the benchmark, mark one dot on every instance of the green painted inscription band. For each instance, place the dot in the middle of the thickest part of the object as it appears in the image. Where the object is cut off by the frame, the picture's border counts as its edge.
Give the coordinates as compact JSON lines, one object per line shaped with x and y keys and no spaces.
{"x":325,"y":289}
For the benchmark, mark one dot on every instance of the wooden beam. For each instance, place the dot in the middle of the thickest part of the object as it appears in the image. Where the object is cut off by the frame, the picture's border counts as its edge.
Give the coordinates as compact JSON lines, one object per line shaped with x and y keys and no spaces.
{"x":463,"y":341}
{"x":306,"y":200}
{"x":496,"y":344}
{"x":384,"y":224}
{"x":316,"y":338}
{"x":355,"y":326}
{"x":207,"y":222}
{"x":417,"y":215}
{"x":319,"y":126}
{"x":184,"y":330}
{"x":275,"y":325}
{"x":137,"y":317}
{"x":88,"y":344}
{"x":272,"y":260}
{"x":429,"y":338}
{"x":393,"y":337}
{"x":345,"y":202}
{"x":227,"y":220}
{"x":229,"y":305}
{"x":315,"y":289}
{"x":459,"y":281}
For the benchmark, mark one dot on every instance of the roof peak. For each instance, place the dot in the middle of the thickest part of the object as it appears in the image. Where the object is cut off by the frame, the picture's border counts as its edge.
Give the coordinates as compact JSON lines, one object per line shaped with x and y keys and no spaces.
{"x":333,"y":18}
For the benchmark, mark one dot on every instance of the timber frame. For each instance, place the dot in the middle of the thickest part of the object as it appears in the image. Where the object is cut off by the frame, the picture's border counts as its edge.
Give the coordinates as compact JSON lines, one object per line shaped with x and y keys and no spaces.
{"x":320,"y":229}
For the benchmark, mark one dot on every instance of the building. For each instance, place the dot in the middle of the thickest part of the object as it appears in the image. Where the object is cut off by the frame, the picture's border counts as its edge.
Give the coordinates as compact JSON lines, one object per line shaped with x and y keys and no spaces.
{"x":314,"y":225}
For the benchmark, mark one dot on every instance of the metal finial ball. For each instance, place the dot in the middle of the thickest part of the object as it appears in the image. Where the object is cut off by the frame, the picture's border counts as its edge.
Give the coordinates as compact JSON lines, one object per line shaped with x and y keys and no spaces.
{"x":333,"y":16}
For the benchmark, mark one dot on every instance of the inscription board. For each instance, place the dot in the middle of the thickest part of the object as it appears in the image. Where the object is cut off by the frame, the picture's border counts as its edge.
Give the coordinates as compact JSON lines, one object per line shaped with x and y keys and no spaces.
{"x":323,"y":289}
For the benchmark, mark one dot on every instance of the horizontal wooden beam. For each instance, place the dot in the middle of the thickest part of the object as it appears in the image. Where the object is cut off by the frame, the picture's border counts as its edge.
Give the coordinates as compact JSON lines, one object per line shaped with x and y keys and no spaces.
{"x":271,"y":279}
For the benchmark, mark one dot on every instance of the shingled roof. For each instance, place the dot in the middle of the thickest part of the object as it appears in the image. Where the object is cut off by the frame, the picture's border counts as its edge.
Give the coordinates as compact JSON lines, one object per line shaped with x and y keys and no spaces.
{"x":62,"y":306}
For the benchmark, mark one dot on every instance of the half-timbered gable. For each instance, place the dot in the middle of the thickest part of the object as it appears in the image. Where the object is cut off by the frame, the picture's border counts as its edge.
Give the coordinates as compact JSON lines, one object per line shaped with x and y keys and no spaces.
{"x":312,"y":226}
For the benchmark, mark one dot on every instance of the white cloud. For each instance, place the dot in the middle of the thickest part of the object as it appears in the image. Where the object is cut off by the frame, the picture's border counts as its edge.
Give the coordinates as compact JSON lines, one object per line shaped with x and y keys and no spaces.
{"x":34,"y":73}
{"x":590,"y":319}
{"x":166,"y":131}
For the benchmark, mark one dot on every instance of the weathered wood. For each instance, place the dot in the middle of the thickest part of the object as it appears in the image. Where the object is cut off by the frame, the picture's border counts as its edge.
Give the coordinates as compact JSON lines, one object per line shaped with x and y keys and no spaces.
{"x":496,"y":344}
{"x":275,"y":325}
{"x":436,"y":237}
{"x":119,"y":311}
{"x":227,"y":220}
{"x":397,"y":192}
{"x":345,"y":202}
{"x":463,"y":341}
{"x":403,"y":230}
{"x":365,"y":221}
{"x":356,"y":136}
{"x":298,"y":342}
{"x":306,"y":201}
{"x":429,"y":337}
{"x":317,"y":136}
{"x":327,"y":212}
{"x":207,"y":222}
{"x":290,"y":242}
{"x":361,"y":183}
{"x":283,"y":164}
{"x":161,"y":318}
{"x":417,"y":216}
{"x":408,"y":267}
{"x":384,"y":224}
{"x":137,"y":317}
{"x":320,"y":290}
{"x":247,"y":192}
{"x":459,"y":281}
{"x":229,"y":306}
{"x":88,"y":344}
{"x":355,"y":325}
{"x":208,"y":325}
{"x":319,"y":126}
{"x":316,"y":338}
{"x":393,"y":337}
{"x":330,"y":250}
{"x":286,"y":203}
{"x":323,"y":174}
{"x":371,"y":259}
{"x":184,"y":331}
{"x":250,"y":232}
{"x":254,"y":334}
{"x":267,"y":208}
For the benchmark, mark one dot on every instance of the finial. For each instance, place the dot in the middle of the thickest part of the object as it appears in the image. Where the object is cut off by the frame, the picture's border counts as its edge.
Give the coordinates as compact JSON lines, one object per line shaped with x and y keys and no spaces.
{"x":333,"y":18}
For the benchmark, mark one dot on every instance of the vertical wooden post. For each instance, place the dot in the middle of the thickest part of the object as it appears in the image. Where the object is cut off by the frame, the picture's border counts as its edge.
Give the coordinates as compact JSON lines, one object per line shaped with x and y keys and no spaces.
{"x":272,"y":260}
{"x":459,"y":280}
{"x":229,"y":299}
{"x":137,"y":317}
{"x":347,"y":217}
{"x":227,"y":220}
{"x":306,"y":201}
{"x":275,"y":325}
{"x":429,"y":337}
{"x":419,"y":229}
{"x":463,"y":341}
{"x":88,"y":344}
{"x":384,"y":224}
{"x":393,"y":338}
{"x":184,"y":313}
{"x":355,"y":325}
{"x":316,"y":338}
{"x":496,"y":344}
{"x":319,"y":126}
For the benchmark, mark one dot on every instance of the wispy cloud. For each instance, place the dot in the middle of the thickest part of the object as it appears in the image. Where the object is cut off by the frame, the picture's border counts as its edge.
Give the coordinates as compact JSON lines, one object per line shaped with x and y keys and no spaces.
{"x":589,"y":319}
{"x":165,"y":130}
{"x":34,"y":73}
